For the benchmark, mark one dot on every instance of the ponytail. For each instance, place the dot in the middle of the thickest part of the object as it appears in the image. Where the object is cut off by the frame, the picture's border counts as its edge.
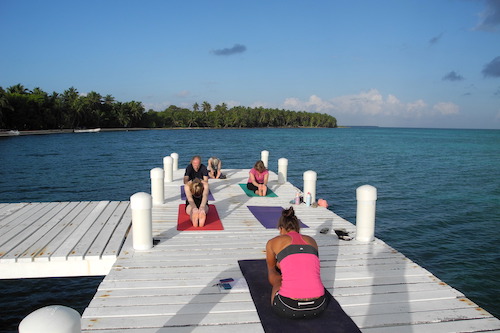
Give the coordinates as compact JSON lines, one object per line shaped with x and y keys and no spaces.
{"x":288,"y":221}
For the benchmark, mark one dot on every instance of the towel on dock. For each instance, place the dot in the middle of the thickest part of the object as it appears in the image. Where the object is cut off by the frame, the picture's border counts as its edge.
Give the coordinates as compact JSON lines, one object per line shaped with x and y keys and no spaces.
{"x":213,"y":221}
{"x":270,"y":193}
{"x":183,"y":194}
{"x":268,"y":216}
{"x":333,"y":319}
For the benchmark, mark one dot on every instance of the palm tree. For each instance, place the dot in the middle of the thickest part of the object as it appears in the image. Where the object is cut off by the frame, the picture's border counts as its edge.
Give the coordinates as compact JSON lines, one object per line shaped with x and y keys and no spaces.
{"x":17,"y":89}
{"x":206,"y":107}
{"x":196,"y":107}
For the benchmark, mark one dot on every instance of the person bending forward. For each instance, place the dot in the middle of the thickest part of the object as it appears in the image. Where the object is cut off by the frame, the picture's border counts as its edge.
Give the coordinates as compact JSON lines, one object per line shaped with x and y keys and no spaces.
{"x":294,"y":271}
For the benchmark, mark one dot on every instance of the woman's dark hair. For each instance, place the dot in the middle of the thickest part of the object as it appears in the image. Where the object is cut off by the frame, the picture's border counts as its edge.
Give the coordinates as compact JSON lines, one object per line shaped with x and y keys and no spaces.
{"x":288,"y":221}
{"x":259,"y":166}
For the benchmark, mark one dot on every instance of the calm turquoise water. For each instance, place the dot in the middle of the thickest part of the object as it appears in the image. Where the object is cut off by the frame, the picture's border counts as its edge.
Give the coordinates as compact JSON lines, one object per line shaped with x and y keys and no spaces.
{"x":438,"y":190}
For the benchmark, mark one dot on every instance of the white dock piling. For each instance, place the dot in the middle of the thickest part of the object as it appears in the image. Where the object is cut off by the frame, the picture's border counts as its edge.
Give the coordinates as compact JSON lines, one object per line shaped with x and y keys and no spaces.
{"x":310,"y":184}
{"x":157,"y":186}
{"x":175,"y":164}
{"x":52,"y":319}
{"x":168,"y":166}
{"x":142,"y":221}
{"x":282,"y":170}
{"x":365,"y":214}
{"x":264,"y":157}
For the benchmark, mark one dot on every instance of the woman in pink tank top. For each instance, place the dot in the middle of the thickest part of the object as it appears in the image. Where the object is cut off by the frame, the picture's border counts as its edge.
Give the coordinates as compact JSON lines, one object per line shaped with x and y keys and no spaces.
{"x":294,"y":271}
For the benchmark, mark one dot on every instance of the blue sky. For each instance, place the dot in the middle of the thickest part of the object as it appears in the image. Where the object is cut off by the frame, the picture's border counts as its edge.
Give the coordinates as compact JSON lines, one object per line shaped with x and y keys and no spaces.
{"x":409,"y":63}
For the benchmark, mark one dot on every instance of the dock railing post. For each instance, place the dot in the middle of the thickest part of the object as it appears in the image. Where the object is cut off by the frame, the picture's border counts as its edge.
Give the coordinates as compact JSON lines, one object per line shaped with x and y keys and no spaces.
{"x":142,"y":221}
{"x":282,"y":170}
{"x":157,"y":186}
{"x":168,"y":165}
{"x":52,"y":319}
{"x":310,"y":184}
{"x":175,"y":161}
{"x":366,"y":196}
{"x":264,"y":157}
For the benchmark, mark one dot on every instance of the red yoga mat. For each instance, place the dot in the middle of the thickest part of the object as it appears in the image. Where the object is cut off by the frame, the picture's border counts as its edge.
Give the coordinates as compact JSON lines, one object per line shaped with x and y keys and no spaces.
{"x":213,"y":221}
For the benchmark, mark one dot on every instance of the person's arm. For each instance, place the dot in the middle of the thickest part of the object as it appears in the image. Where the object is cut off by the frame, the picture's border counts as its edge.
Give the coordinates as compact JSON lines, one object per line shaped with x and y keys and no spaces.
{"x":204,"y":198}
{"x":189,"y":168}
{"x":272,"y":274}
{"x":219,"y":170}
{"x":252,"y":179}
{"x":189,"y":196}
{"x":266,"y":178}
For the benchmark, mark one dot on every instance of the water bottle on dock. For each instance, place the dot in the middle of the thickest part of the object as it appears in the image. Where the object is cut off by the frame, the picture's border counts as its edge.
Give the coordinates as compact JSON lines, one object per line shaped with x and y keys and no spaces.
{"x":308,"y":199}
{"x":297,"y":198}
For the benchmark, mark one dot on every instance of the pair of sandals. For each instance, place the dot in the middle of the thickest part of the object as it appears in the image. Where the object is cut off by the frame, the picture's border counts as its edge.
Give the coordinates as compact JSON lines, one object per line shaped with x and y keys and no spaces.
{"x":341,"y":233}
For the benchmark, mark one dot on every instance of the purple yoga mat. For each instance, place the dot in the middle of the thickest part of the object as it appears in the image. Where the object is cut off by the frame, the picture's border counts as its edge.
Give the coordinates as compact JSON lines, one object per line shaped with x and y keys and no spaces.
{"x":268,"y":216}
{"x":183,"y":194}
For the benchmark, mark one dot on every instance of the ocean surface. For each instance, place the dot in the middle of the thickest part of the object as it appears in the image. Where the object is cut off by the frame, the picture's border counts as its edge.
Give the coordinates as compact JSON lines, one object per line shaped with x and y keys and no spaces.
{"x":438,"y":191}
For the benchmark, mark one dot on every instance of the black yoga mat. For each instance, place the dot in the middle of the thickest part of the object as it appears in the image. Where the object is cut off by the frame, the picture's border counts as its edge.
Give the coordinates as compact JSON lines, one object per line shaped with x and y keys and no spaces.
{"x":333,"y":319}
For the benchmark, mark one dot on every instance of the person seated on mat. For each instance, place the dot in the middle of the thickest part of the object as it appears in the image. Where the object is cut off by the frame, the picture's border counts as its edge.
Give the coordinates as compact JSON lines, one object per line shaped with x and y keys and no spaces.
{"x":257,"y":180}
{"x":196,"y":170}
{"x":196,"y":202}
{"x":215,"y":168}
{"x":294,"y":271}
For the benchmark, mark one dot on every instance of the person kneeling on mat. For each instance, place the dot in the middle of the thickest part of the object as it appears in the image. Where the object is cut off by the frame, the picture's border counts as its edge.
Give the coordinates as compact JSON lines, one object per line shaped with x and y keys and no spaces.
{"x":196,"y":201}
{"x":294,"y":271}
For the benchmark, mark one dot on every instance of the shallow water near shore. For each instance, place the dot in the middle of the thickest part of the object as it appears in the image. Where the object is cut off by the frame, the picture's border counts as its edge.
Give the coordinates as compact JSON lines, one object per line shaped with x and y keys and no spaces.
{"x":438,"y":190}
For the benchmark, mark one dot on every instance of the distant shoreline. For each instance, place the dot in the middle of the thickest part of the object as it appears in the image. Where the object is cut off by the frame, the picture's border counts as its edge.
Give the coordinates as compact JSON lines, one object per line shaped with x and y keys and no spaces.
{"x":66,"y":131}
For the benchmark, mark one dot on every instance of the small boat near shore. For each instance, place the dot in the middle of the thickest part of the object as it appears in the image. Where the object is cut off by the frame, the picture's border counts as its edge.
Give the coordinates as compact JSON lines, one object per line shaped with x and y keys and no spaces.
{"x":90,"y":130}
{"x":9,"y":132}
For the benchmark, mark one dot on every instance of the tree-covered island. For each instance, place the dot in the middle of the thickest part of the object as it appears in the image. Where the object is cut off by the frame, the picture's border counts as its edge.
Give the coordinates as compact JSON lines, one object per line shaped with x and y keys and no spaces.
{"x":22,"y":109}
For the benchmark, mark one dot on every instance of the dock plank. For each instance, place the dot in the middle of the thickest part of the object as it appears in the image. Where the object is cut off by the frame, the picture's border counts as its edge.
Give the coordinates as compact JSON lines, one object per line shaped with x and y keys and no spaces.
{"x":66,"y":248}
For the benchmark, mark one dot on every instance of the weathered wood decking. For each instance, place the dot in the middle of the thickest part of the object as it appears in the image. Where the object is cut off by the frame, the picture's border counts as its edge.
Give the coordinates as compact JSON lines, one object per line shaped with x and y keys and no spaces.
{"x":61,"y":238}
{"x":170,"y":288}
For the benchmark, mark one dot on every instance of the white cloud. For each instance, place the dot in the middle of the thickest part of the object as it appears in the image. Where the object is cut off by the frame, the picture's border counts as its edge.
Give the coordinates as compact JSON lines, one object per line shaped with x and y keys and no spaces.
{"x":371,"y":103}
{"x":183,"y":93}
{"x":446,"y":108}
{"x":156,"y":106}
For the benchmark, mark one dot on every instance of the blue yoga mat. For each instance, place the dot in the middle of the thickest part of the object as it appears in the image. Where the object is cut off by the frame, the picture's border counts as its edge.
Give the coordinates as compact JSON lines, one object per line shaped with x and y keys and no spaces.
{"x":333,"y":319}
{"x":183,"y":194}
{"x":268,"y":216}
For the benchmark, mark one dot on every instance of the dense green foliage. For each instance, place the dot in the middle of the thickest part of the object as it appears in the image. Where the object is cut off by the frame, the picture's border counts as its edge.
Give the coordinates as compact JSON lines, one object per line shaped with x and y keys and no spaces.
{"x":22,"y":109}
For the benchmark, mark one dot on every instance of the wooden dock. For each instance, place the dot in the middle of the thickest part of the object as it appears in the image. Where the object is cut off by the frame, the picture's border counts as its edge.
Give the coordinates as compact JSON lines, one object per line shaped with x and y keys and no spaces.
{"x":170,"y":288}
{"x":61,"y":238}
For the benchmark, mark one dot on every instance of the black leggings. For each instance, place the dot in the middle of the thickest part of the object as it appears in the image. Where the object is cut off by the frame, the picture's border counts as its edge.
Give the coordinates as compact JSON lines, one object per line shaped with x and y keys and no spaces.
{"x":252,"y":187}
{"x":291,"y":308}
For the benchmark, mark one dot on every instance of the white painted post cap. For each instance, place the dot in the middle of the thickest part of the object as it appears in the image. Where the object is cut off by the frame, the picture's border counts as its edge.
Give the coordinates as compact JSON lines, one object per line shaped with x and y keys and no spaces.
{"x":366,"y":193}
{"x":52,"y":319}
{"x":141,"y":200}
{"x":157,"y":173}
{"x":282,"y":161}
{"x":310,"y":175}
{"x":174,"y":155}
{"x":168,"y":160}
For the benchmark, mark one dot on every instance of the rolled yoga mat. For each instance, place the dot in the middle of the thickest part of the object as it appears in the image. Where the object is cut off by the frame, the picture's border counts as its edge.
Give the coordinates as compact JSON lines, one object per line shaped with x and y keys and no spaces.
{"x":268,"y":216}
{"x":333,"y":319}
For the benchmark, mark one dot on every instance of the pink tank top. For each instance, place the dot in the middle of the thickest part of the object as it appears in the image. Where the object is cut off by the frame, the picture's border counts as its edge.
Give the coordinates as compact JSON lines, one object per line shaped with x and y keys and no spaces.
{"x":259,"y":177}
{"x":300,"y":269}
